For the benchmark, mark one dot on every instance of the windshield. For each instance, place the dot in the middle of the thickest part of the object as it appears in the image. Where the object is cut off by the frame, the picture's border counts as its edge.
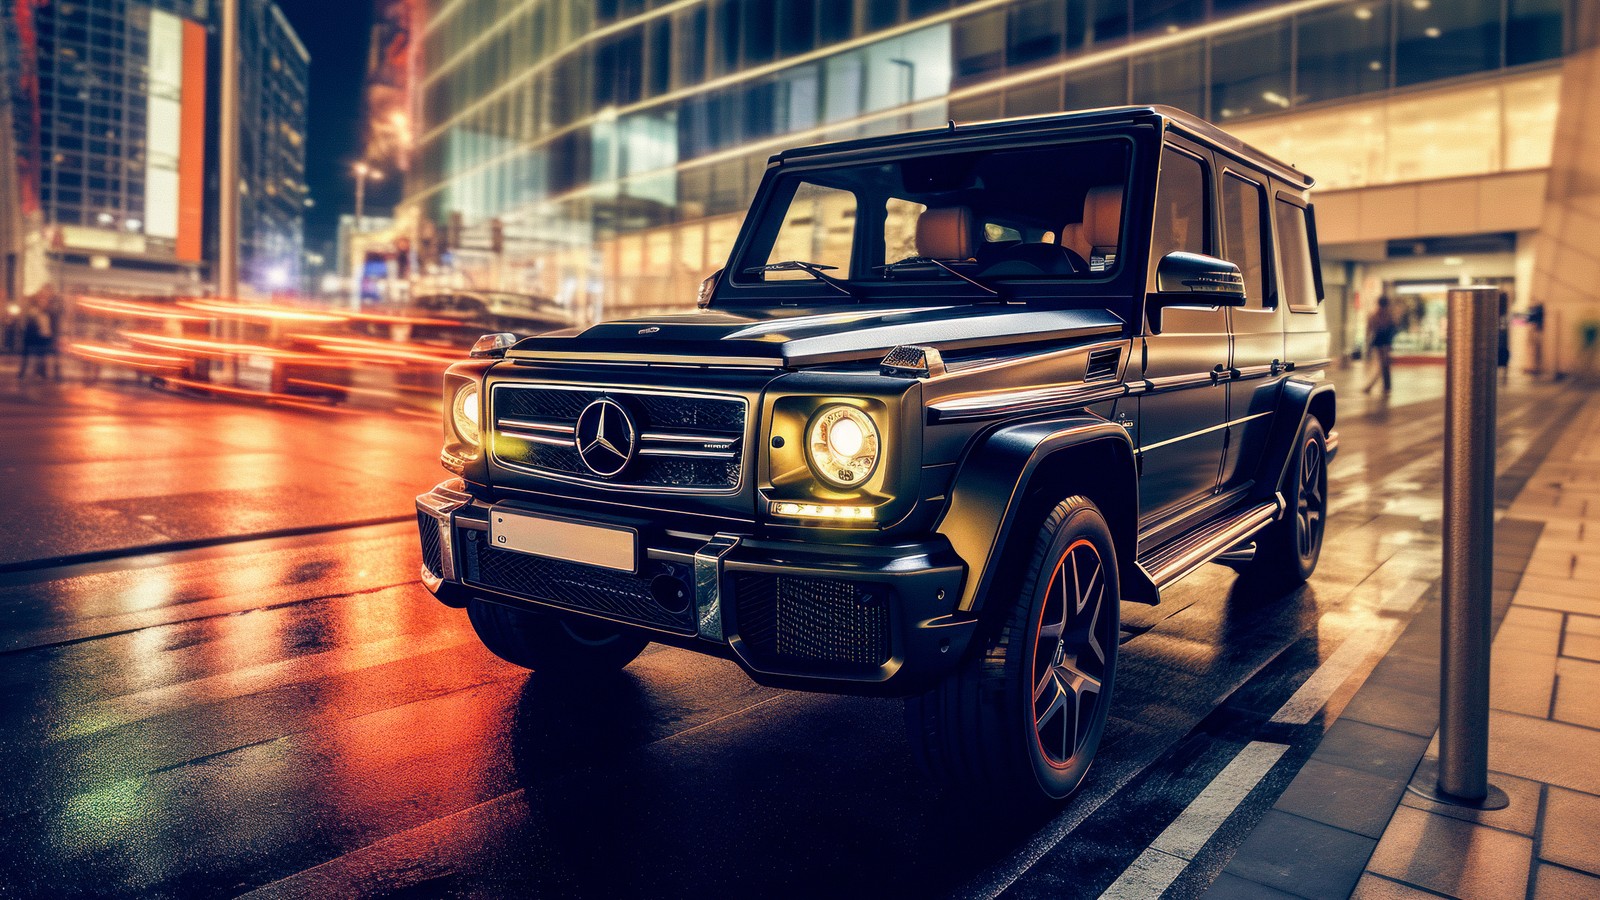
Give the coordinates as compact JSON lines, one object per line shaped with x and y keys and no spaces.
{"x":987,"y":222}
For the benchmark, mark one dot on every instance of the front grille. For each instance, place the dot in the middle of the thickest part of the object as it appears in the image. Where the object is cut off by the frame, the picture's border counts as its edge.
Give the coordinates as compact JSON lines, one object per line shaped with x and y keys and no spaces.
{"x":685,"y":442}
{"x":812,"y":623}
{"x":432,"y":550}
{"x":620,"y":595}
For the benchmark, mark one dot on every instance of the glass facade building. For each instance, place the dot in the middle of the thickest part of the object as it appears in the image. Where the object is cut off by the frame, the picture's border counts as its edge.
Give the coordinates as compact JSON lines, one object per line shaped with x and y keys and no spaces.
{"x":112,"y":110}
{"x":272,"y":152}
{"x":613,"y":145}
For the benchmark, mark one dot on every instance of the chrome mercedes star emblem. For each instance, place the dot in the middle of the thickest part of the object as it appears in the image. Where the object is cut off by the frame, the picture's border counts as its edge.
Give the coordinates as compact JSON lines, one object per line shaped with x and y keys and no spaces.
{"x":605,"y":437}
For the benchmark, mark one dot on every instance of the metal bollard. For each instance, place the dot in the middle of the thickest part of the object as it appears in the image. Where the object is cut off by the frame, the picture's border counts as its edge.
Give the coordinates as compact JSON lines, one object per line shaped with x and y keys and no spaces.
{"x":1468,"y":549}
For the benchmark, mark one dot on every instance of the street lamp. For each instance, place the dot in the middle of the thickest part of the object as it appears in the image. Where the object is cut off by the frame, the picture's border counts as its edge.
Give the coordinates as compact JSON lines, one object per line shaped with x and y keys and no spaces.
{"x":363,"y":172}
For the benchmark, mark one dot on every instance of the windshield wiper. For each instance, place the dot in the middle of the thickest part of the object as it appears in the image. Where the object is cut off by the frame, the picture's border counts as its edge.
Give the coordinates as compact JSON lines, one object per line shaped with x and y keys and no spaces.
{"x":925,"y":260}
{"x":815,"y":270}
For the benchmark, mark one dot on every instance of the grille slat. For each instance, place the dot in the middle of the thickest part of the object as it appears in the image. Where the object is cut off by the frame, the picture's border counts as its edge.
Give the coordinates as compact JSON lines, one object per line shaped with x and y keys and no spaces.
{"x":617,"y":594}
{"x":715,"y":420}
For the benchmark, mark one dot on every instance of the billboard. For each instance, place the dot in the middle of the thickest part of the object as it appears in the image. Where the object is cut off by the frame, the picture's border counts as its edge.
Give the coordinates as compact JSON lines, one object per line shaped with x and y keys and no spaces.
{"x":175,"y":134}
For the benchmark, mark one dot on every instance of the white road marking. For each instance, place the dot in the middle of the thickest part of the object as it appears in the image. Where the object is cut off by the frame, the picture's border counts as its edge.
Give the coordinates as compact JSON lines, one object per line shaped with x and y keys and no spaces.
{"x":1334,"y":671}
{"x":1173,"y":849}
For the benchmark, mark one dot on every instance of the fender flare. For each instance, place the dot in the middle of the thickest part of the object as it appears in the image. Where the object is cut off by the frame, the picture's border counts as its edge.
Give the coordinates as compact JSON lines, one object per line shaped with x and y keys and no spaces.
{"x":1297,"y":401}
{"x":989,"y":491}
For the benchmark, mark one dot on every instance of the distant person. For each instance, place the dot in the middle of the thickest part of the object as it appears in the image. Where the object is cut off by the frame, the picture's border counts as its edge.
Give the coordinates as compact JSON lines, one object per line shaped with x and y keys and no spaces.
{"x":1381,"y":329}
{"x":39,"y":328}
{"x":1535,"y":320}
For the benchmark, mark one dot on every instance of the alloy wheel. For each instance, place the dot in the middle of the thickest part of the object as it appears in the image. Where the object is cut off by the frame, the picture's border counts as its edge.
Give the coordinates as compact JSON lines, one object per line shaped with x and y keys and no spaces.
{"x":1069,"y":656}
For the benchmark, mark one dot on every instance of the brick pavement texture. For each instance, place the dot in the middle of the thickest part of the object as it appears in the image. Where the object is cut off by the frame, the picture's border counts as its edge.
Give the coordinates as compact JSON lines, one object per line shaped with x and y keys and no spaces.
{"x":1544,"y":731}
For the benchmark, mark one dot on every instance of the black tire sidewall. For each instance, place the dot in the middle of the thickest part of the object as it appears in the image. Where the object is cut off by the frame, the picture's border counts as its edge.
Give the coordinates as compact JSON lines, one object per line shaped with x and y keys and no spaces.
{"x":1310,"y":432}
{"x":1081,"y":520}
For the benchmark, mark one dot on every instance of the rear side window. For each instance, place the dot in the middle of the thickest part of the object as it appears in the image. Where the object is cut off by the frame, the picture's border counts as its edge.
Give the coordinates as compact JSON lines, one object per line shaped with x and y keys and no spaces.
{"x":1244,"y":209}
{"x":1294,"y":252}
{"x":1180,"y":205}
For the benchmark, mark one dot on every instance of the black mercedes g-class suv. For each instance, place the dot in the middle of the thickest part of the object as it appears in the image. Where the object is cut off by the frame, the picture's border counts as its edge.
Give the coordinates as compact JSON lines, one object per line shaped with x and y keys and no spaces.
{"x":956,"y":396}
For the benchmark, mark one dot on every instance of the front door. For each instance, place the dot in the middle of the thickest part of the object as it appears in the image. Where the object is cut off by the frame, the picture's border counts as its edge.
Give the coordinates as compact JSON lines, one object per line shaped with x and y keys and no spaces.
{"x":1183,"y":416}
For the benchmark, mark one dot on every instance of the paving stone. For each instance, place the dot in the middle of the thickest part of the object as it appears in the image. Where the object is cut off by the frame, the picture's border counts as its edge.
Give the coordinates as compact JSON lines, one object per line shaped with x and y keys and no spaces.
{"x":1369,"y":748}
{"x":1527,"y":596}
{"x":1303,"y":857}
{"x":1453,"y":857}
{"x":1571,"y":833}
{"x":1556,"y":883}
{"x":1579,"y":624}
{"x":1392,"y":707}
{"x":1565,"y":587}
{"x":1522,"y":682}
{"x":1551,"y":752}
{"x":1376,"y":887}
{"x":1520,"y":815}
{"x":1577,"y":697}
{"x":1344,"y":798}
{"x":1231,"y":887}
{"x":1582,"y":646}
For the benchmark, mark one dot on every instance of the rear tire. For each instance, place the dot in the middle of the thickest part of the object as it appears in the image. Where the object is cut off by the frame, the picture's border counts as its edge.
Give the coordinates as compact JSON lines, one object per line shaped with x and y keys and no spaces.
{"x":1024,"y":718}
{"x":549,"y":646}
{"x":1288,"y":550}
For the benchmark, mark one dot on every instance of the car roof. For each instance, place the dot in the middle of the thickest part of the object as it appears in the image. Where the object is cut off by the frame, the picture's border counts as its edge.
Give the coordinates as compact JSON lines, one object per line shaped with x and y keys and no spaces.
{"x":1168,"y":116}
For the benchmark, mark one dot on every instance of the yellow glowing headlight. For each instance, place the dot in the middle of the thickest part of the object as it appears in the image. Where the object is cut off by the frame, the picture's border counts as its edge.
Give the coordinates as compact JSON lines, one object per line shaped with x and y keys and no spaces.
{"x":465,"y":414}
{"x":842,"y":445}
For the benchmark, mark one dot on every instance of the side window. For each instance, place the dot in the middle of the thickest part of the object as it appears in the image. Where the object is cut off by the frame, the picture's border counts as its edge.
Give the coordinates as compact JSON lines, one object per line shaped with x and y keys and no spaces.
{"x":1294,"y":255}
{"x":1244,"y":208}
{"x":1180,"y":205}
{"x":819,"y":227}
{"x":900,"y":228}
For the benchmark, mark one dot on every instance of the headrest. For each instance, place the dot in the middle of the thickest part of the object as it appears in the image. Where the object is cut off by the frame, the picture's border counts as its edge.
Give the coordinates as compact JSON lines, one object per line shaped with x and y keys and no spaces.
{"x":945,"y":233}
{"x":1101,"y":224}
{"x":1102,"y":215}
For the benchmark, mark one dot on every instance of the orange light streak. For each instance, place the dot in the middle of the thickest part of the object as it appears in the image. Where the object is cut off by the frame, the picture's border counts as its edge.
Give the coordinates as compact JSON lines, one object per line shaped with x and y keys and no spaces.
{"x":123,"y":356}
{"x":138,"y":310}
{"x":262,"y":312}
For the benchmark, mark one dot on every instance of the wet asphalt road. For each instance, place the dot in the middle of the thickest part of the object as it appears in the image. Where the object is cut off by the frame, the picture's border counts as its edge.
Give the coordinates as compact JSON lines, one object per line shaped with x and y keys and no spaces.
{"x":294,"y":715}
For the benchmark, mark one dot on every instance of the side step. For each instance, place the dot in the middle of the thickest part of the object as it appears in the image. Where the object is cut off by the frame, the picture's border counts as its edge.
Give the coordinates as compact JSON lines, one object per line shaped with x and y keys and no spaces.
{"x":1167,"y":564}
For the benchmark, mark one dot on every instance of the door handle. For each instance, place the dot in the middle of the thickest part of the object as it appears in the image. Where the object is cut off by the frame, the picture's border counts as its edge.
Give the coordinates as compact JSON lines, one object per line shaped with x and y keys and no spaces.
{"x":1218,"y":372}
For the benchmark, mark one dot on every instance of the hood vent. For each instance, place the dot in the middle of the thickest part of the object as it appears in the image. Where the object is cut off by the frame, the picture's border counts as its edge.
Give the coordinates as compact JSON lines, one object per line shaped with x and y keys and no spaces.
{"x":1103,"y":364}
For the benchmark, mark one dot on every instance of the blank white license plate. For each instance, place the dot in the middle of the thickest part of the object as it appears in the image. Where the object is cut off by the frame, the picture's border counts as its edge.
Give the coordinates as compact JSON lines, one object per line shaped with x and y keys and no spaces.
{"x":580,"y":542}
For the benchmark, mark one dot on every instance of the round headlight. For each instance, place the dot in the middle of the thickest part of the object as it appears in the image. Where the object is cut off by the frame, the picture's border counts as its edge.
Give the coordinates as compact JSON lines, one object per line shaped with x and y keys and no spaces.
{"x":842,"y":445}
{"x":466,"y":411}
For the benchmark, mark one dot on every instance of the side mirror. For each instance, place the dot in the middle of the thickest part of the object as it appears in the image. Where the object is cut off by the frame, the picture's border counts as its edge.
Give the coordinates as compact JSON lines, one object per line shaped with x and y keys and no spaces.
{"x":1193,"y":279}
{"x":707,"y":288}
{"x":493,"y":346}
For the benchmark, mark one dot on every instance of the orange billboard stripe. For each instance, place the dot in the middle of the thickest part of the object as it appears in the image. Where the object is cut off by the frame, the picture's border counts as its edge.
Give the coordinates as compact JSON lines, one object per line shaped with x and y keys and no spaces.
{"x":192,"y":147}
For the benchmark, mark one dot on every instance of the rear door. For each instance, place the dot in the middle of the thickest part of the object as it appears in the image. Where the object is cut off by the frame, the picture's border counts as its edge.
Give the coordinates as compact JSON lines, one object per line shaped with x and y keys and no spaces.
{"x":1253,"y":385}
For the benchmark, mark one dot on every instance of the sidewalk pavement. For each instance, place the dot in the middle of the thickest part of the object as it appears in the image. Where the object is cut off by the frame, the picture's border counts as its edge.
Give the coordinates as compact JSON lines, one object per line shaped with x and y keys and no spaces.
{"x":1326,"y":836}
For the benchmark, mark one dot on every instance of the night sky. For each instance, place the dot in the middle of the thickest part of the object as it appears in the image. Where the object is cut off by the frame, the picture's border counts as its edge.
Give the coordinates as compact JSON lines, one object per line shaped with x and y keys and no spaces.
{"x":337,"y":33}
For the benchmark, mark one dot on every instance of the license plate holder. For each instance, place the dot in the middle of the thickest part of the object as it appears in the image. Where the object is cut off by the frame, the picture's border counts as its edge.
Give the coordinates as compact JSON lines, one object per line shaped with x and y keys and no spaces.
{"x":569,"y":540}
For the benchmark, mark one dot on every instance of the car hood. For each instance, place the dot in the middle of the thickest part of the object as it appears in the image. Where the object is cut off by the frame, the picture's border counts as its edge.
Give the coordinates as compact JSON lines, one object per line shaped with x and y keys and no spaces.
{"x":791,"y":338}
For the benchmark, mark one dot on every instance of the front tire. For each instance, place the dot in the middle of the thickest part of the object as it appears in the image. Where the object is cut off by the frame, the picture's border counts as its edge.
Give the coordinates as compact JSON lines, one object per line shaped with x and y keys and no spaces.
{"x":1288,"y":551}
{"x":552,"y":647}
{"x":1025,"y":717}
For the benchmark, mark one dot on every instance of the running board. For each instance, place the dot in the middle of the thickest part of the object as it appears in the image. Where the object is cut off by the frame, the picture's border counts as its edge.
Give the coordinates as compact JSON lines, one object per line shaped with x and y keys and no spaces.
{"x":1211,"y":540}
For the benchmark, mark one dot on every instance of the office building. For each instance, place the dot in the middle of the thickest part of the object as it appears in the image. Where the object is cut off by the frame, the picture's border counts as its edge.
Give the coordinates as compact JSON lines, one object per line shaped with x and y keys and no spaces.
{"x":111,"y":115}
{"x":614,"y":145}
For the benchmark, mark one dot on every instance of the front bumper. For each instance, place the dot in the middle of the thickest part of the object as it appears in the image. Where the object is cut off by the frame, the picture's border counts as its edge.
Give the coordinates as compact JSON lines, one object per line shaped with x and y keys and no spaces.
{"x":868,"y":619}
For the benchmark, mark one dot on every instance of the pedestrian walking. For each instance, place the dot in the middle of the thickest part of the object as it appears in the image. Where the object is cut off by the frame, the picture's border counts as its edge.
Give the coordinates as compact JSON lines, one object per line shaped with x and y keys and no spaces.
{"x":1381,"y":329}
{"x":38,"y":340}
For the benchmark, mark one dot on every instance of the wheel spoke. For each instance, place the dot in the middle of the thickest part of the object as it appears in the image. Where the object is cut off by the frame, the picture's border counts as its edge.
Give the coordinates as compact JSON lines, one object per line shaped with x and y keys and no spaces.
{"x":1056,"y":702}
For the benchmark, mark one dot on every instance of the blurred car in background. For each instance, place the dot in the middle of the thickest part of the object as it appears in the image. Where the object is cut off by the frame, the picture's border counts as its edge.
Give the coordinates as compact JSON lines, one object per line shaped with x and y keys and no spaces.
{"x":482,"y":312}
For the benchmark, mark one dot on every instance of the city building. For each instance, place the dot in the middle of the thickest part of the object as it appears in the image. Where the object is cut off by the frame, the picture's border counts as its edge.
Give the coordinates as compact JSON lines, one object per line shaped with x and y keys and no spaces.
{"x":612,"y":146}
{"x":275,"y":74}
{"x":110,"y":114}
